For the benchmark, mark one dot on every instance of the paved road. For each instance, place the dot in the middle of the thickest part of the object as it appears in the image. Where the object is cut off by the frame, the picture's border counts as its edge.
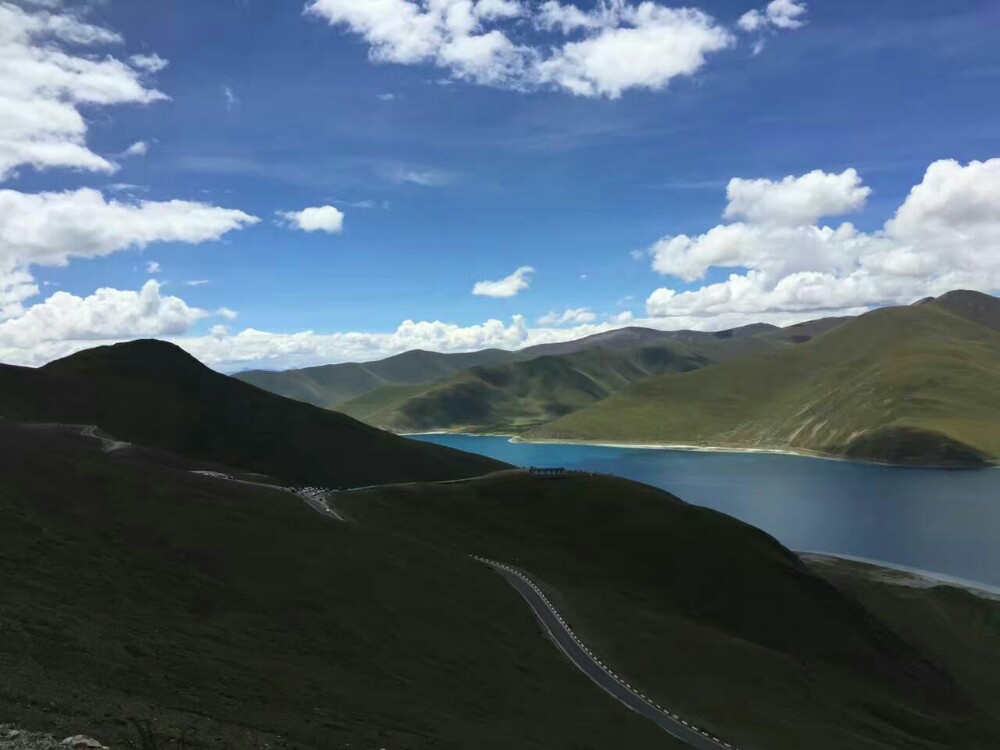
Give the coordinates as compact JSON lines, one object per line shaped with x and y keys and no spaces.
{"x":596,"y":670}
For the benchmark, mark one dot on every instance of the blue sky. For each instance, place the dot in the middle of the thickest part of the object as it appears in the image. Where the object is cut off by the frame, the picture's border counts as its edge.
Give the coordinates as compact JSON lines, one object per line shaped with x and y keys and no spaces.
{"x":447,"y":177}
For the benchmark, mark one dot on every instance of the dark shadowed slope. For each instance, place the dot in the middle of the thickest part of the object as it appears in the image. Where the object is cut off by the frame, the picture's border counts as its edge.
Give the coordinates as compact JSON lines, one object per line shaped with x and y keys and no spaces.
{"x":233,"y":616}
{"x":153,"y":393}
{"x":708,"y":616}
{"x":904,"y":385}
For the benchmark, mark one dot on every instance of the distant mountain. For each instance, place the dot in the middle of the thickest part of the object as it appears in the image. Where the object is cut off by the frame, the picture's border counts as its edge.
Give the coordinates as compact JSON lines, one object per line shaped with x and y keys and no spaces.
{"x":329,"y":385}
{"x":566,"y":377}
{"x":153,"y":393}
{"x":513,"y":397}
{"x":332,"y":386}
{"x":914,"y":384}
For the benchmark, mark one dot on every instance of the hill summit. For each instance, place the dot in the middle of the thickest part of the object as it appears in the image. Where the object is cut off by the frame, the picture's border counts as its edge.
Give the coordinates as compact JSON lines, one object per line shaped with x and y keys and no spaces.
{"x":155,"y":394}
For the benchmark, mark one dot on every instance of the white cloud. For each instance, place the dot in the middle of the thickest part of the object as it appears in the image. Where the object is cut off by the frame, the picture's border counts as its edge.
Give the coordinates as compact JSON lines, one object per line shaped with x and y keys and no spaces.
{"x":255,"y":348}
{"x":508,"y":287}
{"x":386,"y":97}
{"x":44,"y":85}
{"x":49,"y":229}
{"x":153,"y":267}
{"x":422,"y":176}
{"x":778,"y":14}
{"x":650,"y":46}
{"x":796,"y":201}
{"x":139,"y":148}
{"x":603,"y":51}
{"x":197,"y":282}
{"x":230,"y":98}
{"x":225,"y":312}
{"x":106,"y":314}
{"x":945,"y":236}
{"x":576,"y":316}
{"x":148,"y":63}
{"x":319,"y":219}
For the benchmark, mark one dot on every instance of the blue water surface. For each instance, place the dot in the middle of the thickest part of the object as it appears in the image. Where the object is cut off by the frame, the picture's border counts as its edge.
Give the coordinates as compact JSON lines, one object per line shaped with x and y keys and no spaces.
{"x":945,"y":522}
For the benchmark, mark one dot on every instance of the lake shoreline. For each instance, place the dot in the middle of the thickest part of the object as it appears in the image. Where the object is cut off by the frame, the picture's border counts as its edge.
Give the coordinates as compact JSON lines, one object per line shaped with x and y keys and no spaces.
{"x":902,"y":575}
{"x":732,"y":450}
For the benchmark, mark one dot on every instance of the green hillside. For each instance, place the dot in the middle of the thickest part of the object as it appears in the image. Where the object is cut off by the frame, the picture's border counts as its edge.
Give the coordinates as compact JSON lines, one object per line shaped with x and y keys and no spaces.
{"x":904,"y":385}
{"x":517,"y":396}
{"x":512,"y":397}
{"x":329,"y":385}
{"x":153,"y":393}
{"x":708,"y":615}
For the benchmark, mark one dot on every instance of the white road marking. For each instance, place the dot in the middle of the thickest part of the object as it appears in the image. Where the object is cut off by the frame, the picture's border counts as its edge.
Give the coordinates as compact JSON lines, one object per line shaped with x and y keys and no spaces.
{"x":534,"y":587}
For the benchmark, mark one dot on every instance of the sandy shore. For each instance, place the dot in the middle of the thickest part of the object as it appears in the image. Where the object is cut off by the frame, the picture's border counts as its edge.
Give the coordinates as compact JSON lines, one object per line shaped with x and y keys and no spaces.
{"x":683,"y":448}
{"x":901,"y":575}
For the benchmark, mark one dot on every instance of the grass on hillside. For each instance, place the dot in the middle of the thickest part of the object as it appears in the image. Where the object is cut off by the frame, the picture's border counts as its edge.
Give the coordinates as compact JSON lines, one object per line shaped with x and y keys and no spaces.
{"x":904,"y":385}
{"x":708,"y":615}
{"x":226,"y":615}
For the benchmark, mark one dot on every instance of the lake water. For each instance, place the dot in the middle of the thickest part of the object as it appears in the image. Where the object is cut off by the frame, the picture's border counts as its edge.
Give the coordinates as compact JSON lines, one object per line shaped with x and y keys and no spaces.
{"x":945,"y":522}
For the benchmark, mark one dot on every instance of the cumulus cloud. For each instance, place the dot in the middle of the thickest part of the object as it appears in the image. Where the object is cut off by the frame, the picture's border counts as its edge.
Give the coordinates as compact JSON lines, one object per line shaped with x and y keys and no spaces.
{"x":796,"y":201}
{"x":507,"y":287}
{"x":319,"y":219}
{"x":153,"y":267}
{"x":251,"y":348}
{"x":45,"y":80}
{"x":778,"y":14}
{"x":945,"y":235}
{"x":106,"y":314}
{"x":575,"y":316}
{"x":148,"y":63}
{"x":49,"y":229}
{"x":606,"y":50}
{"x":139,"y":148}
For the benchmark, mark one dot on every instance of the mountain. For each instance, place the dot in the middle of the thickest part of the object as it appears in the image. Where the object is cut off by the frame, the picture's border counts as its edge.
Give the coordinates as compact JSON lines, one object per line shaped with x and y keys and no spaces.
{"x":153,"y":393}
{"x":975,"y":306}
{"x":903,"y":385}
{"x":516,"y":396}
{"x":153,"y":607}
{"x":708,"y":615}
{"x":329,"y":385}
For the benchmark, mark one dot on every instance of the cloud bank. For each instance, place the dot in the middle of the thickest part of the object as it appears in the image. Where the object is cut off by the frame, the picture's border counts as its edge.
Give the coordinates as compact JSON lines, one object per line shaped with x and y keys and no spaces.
{"x":603,"y":51}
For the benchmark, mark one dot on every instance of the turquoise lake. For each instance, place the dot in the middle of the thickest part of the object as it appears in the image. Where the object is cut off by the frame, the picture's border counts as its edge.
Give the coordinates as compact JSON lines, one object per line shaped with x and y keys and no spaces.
{"x":944,"y":522}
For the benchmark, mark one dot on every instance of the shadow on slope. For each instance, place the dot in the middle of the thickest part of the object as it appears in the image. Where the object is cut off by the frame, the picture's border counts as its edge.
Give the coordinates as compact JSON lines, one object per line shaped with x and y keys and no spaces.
{"x":712,"y":617}
{"x":232,"y":616}
{"x":154,"y":393}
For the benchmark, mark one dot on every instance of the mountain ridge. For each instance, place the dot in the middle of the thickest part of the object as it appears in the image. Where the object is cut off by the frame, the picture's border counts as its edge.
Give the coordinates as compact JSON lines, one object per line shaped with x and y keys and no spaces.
{"x":154,"y":393}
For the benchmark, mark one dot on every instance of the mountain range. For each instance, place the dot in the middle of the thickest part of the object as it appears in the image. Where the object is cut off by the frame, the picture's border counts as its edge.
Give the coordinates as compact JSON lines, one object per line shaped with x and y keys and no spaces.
{"x":907,"y":385}
{"x":161,"y":587}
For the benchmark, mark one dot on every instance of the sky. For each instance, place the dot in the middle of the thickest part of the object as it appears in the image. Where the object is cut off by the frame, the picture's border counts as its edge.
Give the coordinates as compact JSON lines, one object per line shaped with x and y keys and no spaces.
{"x":280,"y":184}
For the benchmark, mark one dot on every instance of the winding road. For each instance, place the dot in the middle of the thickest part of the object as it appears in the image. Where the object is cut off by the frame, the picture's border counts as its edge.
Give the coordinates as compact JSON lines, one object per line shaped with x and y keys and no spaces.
{"x":612,"y":683}
{"x":574,"y":649}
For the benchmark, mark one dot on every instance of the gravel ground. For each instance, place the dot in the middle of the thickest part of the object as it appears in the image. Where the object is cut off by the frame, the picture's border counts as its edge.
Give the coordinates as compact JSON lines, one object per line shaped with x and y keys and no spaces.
{"x":16,"y":739}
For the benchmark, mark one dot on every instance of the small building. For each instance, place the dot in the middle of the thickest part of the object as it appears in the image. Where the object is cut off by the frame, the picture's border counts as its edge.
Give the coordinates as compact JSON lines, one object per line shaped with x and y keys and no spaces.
{"x":536,"y":471}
